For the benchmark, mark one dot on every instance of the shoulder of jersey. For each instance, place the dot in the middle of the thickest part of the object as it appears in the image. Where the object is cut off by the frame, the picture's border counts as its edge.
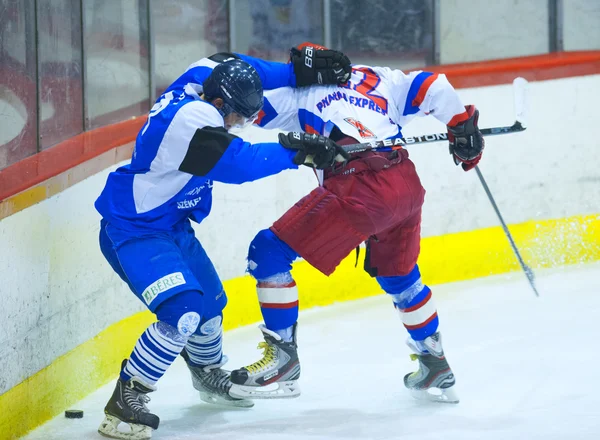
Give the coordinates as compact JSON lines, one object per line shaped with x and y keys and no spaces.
{"x":204,"y":62}
{"x":214,"y":60}
{"x":203,"y":113}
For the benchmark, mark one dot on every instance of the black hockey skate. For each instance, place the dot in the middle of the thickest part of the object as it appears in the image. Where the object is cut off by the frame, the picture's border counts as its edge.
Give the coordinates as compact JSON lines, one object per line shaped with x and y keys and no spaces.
{"x":128,"y":405}
{"x":275,"y":375}
{"x":213,"y":383}
{"x":434,"y":380}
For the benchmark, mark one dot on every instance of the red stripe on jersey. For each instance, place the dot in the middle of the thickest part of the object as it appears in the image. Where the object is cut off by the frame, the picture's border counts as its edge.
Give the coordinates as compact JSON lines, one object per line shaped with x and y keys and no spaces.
{"x":268,"y":284}
{"x":418,"y":305}
{"x":461,"y":117}
{"x":310,"y":130}
{"x":261,"y":114}
{"x":423,"y":90}
{"x":423,"y":324}
{"x":279,"y":306}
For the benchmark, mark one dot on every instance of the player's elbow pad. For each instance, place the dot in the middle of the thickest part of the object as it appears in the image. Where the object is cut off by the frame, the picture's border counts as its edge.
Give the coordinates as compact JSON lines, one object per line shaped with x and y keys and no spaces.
{"x":207,"y":147}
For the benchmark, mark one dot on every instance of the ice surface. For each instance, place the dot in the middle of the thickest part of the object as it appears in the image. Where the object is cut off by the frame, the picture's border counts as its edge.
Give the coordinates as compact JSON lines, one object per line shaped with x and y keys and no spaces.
{"x":526,"y":368}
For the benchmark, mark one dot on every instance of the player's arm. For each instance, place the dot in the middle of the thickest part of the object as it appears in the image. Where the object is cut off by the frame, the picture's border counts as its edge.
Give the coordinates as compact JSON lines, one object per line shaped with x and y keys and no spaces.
{"x":432,"y":94}
{"x":221,"y":156}
{"x":307,"y":66}
{"x":272,"y":74}
{"x":200,"y":145}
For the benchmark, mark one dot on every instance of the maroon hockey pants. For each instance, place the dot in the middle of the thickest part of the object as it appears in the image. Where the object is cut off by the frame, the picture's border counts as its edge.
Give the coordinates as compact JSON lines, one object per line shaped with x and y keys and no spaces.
{"x":377,"y":198}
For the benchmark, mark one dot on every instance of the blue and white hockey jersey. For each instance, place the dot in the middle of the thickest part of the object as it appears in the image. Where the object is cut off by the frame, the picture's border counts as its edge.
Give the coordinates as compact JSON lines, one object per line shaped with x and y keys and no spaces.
{"x":183,"y":148}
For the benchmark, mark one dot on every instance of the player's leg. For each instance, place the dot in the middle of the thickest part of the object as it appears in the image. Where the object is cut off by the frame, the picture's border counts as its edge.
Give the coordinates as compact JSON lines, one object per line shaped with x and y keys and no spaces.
{"x":391,"y":258}
{"x":434,"y":379}
{"x":203,"y":352}
{"x":318,"y":229}
{"x":156,"y":271}
{"x":275,"y":375}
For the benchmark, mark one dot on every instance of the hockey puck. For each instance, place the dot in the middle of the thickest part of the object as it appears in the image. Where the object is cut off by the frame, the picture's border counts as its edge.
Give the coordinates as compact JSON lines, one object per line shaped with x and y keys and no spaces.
{"x":74,"y":414}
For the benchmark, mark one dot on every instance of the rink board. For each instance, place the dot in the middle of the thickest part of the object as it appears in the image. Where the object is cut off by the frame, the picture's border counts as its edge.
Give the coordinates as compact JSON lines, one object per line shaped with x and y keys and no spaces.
{"x":444,"y":259}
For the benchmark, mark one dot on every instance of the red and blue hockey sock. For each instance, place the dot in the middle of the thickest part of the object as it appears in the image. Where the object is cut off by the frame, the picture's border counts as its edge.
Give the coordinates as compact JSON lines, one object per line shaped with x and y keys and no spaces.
{"x":414,"y":302}
{"x":278,"y":297}
{"x":269,"y":262}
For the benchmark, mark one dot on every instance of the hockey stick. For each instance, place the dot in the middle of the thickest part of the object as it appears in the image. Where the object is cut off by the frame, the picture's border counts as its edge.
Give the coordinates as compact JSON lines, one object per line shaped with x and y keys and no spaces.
{"x":428,"y":138}
{"x":520,"y":96}
{"x":528,"y":272}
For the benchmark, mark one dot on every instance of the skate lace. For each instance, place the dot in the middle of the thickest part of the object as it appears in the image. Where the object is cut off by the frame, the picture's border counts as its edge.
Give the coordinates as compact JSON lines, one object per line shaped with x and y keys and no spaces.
{"x":218,"y":379}
{"x":135,"y":400}
{"x":268,"y":357}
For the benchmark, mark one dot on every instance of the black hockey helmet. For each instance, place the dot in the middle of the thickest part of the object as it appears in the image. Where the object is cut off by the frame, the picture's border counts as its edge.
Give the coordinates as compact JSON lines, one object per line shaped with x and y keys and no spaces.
{"x":238,"y":84}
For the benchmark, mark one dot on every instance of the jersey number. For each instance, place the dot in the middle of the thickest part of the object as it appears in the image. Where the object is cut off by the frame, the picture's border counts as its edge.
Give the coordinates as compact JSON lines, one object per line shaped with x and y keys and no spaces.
{"x":367,"y":85}
{"x":162,"y":104}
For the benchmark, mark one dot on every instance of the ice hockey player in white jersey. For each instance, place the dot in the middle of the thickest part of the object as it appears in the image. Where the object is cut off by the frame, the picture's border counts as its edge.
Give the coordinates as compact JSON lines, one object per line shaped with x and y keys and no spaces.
{"x":146,"y":207}
{"x":376,"y":197}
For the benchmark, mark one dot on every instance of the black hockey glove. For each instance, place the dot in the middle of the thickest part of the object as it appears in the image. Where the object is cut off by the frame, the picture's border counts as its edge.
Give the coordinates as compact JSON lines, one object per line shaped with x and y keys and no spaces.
{"x":313,"y":150}
{"x":319,"y":66}
{"x":466,"y":141}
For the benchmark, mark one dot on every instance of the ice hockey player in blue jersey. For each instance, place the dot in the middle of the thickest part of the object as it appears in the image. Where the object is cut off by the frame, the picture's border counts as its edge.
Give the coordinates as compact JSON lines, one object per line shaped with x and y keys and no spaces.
{"x":146,"y":207}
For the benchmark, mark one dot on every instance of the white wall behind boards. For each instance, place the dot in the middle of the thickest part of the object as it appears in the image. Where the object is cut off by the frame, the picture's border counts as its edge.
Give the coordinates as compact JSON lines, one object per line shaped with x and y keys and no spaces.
{"x":57,"y":291}
{"x":551,"y":170}
{"x":482,"y":30}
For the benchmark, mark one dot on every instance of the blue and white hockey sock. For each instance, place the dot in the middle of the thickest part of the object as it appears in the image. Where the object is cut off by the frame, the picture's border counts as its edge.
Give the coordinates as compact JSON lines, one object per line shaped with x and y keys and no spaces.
{"x":278,"y":297}
{"x":154,"y":352}
{"x":414,"y":302}
{"x":204,"y":350}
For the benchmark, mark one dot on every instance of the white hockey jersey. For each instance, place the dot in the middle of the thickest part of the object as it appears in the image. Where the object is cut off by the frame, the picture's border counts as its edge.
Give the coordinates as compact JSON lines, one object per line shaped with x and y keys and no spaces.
{"x":374,"y":105}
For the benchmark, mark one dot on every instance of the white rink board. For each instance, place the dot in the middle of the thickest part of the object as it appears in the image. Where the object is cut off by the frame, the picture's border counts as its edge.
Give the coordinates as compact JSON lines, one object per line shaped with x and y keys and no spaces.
{"x":58,"y":291}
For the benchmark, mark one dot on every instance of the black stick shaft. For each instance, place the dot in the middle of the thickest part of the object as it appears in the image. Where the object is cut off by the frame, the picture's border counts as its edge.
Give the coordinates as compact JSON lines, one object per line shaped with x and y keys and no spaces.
{"x":438,"y":137}
{"x":528,"y":272}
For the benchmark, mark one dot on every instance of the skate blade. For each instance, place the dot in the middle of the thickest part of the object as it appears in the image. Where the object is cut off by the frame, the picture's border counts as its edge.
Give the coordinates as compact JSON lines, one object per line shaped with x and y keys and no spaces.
{"x":110,"y":428}
{"x":277,"y":390}
{"x":225,"y":401}
{"x":446,"y":395}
